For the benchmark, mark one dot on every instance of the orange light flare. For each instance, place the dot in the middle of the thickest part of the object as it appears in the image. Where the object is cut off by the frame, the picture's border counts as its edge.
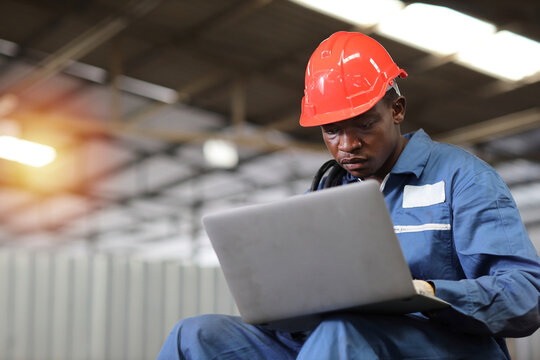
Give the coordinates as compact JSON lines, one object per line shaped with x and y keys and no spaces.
{"x":26,"y":152}
{"x":50,"y":149}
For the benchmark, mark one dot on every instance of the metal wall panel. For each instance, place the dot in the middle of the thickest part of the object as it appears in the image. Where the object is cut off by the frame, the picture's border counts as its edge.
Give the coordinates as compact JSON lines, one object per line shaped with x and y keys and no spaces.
{"x":42,"y":304}
{"x":153,"y":309}
{"x":172,"y":296}
{"x":190,"y":294}
{"x":135,"y":322}
{"x":6,"y":296}
{"x":56,"y":306}
{"x":81,"y":308}
{"x":207,"y":290}
{"x":60,"y":336}
{"x":98,"y":321}
{"x":118,"y":309}
{"x":527,"y":348}
{"x":23,"y":289}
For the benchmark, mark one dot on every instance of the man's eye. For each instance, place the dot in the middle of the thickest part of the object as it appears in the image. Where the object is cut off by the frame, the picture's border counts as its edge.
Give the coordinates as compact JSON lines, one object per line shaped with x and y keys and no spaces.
{"x":330,"y":131}
{"x":367,"y":125}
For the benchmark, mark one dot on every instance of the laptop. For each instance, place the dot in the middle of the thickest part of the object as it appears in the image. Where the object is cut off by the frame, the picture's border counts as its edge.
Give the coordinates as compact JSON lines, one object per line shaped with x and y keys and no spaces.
{"x":290,"y":262}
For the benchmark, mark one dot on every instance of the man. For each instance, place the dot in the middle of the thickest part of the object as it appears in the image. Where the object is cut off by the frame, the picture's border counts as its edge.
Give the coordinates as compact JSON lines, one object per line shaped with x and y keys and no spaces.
{"x":458,"y":226}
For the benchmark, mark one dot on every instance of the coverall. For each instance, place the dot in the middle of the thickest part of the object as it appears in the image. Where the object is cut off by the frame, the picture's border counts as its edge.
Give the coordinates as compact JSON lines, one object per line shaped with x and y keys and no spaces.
{"x":459,"y":228}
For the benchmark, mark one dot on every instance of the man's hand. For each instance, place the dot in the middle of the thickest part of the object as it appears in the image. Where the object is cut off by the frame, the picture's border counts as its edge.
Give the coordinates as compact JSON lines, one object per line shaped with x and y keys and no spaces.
{"x":423,"y":287}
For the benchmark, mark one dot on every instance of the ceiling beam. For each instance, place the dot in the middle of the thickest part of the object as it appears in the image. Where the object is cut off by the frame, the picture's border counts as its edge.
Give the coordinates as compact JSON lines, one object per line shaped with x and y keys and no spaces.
{"x":192,"y":34}
{"x":238,"y":106}
{"x":491,"y":129}
{"x":179,"y":205}
{"x":261,"y":141}
{"x":145,"y":194}
{"x":82,"y":45}
{"x":497,"y":159}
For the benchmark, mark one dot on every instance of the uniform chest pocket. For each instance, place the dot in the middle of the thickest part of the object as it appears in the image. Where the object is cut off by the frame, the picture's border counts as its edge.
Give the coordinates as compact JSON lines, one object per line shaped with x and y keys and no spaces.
{"x":425,"y":218}
{"x":425,"y":234}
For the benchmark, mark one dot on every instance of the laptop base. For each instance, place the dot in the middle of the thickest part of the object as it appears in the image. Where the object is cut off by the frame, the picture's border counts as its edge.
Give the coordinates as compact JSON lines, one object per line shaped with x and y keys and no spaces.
{"x":412,"y":304}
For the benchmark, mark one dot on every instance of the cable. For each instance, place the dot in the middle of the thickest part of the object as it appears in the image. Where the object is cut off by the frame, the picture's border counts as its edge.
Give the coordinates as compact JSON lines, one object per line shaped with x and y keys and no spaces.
{"x":334,"y":178}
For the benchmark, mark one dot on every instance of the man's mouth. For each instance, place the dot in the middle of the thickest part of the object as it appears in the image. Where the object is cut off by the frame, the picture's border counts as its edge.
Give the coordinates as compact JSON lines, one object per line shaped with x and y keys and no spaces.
{"x":353,"y":160}
{"x":351,"y":164}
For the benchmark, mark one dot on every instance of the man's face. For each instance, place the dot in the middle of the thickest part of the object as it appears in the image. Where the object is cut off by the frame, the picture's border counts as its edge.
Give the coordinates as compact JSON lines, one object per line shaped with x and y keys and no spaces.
{"x":368,"y":145}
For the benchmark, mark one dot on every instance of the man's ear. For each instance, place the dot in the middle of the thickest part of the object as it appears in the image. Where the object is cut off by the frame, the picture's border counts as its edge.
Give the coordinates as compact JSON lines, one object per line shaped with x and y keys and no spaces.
{"x":398,"y":109}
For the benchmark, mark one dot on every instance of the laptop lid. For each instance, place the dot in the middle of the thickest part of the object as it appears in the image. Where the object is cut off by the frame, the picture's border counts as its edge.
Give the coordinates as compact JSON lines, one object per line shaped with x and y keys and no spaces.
{"x":308,"y":254}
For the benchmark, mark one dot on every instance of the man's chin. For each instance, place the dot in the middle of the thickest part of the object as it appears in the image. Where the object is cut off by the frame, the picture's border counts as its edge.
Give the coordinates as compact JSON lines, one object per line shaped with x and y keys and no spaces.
{"x":361,"y":174}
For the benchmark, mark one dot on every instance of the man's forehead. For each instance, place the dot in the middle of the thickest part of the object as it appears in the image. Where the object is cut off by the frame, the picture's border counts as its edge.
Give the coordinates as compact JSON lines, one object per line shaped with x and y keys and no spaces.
{"x":363,"y":116}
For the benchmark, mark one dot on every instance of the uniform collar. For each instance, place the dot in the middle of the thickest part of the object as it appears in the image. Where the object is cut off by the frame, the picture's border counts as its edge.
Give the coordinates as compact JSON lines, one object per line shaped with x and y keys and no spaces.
{"x":414,"y":157}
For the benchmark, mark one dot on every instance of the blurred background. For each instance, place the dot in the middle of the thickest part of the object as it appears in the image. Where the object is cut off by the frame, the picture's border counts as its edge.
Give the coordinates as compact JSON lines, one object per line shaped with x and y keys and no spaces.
{"x":123,"y":122}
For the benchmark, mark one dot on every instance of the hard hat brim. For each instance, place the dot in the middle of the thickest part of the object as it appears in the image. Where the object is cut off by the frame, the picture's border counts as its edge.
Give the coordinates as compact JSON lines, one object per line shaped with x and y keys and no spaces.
{"x":310,"y":120}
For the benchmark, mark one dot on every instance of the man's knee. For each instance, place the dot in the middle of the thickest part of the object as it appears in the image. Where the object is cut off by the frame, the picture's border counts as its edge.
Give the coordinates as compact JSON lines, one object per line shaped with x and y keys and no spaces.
{"x":371,"y":326}
{"x":198,"y":337}
{"x":339,"y":320}
{"x":201,"y":328}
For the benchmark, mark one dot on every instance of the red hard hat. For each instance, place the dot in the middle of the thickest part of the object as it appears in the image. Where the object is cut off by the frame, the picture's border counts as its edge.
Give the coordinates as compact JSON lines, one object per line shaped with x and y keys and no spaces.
{"x":346,"y":75}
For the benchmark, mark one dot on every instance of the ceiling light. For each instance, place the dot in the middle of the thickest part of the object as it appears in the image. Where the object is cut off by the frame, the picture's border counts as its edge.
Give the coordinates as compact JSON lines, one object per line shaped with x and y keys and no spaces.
{"x":8,"y":48}
{"x":435,"y":29}
{"x":358,"y":12}
{"x":87,"y":72}
{"x":505,"y":55}
{"x":220,"y":153}
{"x":26,"y":152}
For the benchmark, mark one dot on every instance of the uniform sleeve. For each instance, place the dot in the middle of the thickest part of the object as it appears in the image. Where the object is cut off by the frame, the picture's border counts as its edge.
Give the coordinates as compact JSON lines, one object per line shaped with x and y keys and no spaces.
{"x":501,"y":292}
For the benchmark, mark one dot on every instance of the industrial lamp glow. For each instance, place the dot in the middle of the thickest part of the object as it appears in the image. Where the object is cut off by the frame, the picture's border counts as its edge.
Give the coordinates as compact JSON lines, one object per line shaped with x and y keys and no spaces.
{"x":26,"y":152}
{"x":360,"y":12}
{"x":220,"y":153}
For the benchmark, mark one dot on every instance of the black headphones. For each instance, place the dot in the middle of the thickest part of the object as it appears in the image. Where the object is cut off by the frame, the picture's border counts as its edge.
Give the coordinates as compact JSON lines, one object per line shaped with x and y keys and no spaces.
{"x":334,"y":178}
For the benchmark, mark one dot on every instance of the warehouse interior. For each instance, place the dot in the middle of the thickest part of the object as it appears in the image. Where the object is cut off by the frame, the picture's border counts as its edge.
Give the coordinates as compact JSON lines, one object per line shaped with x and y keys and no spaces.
{"x":135,"y":96}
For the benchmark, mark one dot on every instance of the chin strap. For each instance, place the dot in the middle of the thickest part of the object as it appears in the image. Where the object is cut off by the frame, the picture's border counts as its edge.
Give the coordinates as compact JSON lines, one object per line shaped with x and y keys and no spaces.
{"x":334,"y":178}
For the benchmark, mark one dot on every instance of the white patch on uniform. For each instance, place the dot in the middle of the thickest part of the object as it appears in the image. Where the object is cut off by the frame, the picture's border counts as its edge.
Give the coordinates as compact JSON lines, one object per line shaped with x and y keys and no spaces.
{"x":398,"y":229}
{"x":423,"y":195}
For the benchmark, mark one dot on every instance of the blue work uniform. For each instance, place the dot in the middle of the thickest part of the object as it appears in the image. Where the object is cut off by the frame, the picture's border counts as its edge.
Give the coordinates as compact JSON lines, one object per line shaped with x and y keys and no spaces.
{"x":460,"y":229}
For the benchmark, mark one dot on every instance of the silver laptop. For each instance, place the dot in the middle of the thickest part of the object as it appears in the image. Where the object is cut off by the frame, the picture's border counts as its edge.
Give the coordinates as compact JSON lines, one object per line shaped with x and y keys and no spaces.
{"x":289,"y":263}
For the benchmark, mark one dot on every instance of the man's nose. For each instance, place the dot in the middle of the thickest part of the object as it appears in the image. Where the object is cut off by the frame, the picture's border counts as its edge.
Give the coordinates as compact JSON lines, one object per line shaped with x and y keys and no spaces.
{"x":349,"y":141}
